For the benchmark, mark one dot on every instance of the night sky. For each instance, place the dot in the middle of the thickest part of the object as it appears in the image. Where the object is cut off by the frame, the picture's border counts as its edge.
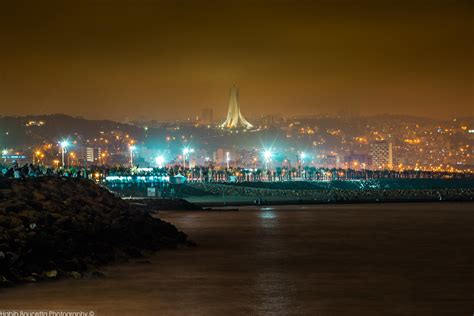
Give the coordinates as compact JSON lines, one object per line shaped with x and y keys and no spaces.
{"x":161,"y":60}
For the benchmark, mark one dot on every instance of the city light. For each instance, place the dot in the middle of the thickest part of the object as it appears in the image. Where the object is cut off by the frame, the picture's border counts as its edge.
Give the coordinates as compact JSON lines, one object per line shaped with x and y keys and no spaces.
{"x":38,"y":155}
{"x":267,"y":154}
{"x":186,"y":151}
{"x":4,"y":154}
{"x":64,"y":145}
{"x":160,"y":160}
{"x":303,"y":156}
{"x":132,"y":148}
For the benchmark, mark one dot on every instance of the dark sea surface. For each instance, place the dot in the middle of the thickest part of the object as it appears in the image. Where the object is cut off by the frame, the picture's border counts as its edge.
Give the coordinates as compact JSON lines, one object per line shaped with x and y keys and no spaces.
{"x":374,"y":259}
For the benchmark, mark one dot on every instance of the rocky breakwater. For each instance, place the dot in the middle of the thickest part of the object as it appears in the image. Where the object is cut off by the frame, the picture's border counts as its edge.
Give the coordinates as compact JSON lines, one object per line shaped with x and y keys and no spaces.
{"x":52,"y":227}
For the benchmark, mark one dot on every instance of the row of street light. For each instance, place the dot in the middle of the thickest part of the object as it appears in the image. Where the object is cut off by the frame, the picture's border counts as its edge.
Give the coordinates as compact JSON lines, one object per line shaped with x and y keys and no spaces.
{"x":160,"y":160}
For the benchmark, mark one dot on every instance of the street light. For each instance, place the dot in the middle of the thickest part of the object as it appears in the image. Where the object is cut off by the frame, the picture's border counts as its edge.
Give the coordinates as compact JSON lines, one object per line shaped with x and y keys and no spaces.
{"x":267,"y":154}
{"x":64,"y":145}
{"x":71,"y":155}
{"x":186,"y":151}
{"x":132,"y":148}
{"x":38,"y":156}
{"x":4,"y":154}
{"x":227,"y":154}
{"x":302,"y":156}
{"x":160,"y":161}
{"x":102,"y":158}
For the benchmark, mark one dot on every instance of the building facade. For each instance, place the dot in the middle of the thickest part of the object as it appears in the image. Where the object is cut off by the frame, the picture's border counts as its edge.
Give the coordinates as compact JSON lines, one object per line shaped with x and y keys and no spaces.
{"x":382,"y":155}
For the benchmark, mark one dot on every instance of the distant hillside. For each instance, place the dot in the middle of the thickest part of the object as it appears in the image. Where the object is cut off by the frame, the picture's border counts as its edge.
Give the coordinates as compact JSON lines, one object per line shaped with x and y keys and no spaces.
{"x":16,"y":131}
{"x":325,"y":131}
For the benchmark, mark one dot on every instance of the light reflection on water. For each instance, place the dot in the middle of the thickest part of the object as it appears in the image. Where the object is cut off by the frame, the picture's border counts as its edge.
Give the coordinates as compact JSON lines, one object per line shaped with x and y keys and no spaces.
{"x":287,"y":261}
{"x":268,"y":217}
{"x":268,"y":213}
{"x":272,"y":290}
{"x":271,"y":287}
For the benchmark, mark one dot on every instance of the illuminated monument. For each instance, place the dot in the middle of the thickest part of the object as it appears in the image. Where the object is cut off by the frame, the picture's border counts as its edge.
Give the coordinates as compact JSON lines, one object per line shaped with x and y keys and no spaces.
{"x":234,"y":117}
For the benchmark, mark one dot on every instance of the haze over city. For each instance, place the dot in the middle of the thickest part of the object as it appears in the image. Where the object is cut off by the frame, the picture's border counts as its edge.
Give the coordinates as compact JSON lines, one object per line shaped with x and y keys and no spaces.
{"x":236,"y":157}
{"x":167,"y":59}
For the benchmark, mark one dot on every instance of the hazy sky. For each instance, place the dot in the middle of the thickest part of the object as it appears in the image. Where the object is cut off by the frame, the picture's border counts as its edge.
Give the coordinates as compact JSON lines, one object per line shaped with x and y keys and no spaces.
{"x":168,"y":59}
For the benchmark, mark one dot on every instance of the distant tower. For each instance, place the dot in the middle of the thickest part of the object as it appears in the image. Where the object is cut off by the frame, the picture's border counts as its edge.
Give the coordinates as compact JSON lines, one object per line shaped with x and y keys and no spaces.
{"x":234,"y":117}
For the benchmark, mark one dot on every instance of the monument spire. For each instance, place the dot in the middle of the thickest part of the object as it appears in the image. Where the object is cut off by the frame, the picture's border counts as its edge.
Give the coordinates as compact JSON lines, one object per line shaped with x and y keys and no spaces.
{"x":235,"y":118}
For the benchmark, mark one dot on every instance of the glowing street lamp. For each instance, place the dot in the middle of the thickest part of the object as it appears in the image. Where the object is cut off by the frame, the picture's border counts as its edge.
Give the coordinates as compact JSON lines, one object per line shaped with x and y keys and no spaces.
{"x":4,"y":154}
{"x":356,"y":164}
{"x":38,"y":156}
{"x":160,"y":160}
{"x":102,"y":157}
{"x":302,"y":156}
{"x":71,"y":155}
{"x":186,"y":151}
{"x":64,"y":145}
{"x":267,"y":155}
{"x":132,"y":148}
{"x":227,"y":154}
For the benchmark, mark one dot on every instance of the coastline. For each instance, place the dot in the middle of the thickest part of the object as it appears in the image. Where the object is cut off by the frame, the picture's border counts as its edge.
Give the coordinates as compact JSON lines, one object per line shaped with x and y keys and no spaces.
{"x":219,"y":201}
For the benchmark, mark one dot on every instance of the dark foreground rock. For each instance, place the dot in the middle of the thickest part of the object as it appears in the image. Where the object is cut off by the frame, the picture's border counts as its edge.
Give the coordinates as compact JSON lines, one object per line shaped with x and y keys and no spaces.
{"x":53,"y":227}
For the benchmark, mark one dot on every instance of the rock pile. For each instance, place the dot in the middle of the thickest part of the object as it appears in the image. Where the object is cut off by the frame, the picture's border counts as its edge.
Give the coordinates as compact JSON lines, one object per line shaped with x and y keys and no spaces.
{"x":52,"y":227}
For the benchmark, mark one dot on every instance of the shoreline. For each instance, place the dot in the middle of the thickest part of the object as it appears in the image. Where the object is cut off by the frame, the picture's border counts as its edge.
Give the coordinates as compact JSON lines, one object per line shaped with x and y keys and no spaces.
{"x":213,"y":201}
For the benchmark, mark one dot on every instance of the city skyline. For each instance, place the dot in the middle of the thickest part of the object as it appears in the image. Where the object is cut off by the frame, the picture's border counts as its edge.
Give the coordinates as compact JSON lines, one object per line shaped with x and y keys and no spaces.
{"x":166,"y":60}
{"x":236,"y":157}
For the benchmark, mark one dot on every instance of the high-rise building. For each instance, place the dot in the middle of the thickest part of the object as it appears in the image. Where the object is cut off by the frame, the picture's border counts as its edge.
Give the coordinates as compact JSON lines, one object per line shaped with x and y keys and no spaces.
{"x":382,"y":156}
{"x":91,"y":155}
{"x":206,"y":117}
{"x":235,"y":118}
